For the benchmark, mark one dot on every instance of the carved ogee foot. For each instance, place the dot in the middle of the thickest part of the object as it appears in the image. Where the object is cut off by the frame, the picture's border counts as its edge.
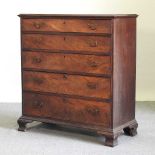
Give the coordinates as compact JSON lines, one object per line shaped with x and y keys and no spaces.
{"x":22,"y":123}
{"x":111,"y":140}
{"x":131,"y":130}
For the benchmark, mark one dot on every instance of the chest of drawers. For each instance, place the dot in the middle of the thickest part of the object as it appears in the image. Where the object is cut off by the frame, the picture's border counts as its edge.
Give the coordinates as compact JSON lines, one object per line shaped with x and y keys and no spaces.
{"x":79,"y":71}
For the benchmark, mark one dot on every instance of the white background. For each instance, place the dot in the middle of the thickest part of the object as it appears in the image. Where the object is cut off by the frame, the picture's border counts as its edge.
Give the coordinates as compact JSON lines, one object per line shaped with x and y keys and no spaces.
{"x":10,"y":81}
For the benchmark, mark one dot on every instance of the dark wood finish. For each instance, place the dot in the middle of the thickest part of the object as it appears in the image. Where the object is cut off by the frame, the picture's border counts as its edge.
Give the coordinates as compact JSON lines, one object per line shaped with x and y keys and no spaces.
{"x":68,"y":42}
{"x":22,"y":123}
{"x":67,"y":84}
{"x":111,"y":140}
{"x":67,"y":25}
{"x":131,"y":130}
{"x":79,"y":71}
{"x":81,"y":16}
{"x":67,"y":109}
{"x":124,"y":70}
{"x":91,"y":64}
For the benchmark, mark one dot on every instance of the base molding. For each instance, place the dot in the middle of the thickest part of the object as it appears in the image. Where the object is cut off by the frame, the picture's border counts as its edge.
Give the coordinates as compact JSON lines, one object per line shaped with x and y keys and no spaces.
{"x":111,"y":135}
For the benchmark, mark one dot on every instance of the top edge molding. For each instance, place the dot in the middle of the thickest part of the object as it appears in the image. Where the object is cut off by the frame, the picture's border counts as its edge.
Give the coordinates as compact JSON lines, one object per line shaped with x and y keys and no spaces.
{"x":78,"y":15}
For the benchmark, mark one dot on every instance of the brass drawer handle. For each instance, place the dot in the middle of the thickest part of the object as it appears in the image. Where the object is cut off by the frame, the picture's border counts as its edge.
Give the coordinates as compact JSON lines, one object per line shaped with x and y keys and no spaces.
{"x":92,"y":26}
{"x":37,"y":40}
{"x":93,"y":111}
{"x":64,"y":100}
{"x":37,"y":81}
{"x":109,"y":69}
{"x":38,"y":25}
{"x":36,"y":60}
{"x":64,"y":76}
{"x":91,"y":85}
{"x":92,"y":43}
{"x":92,"y":64}
{"x":37,"y":104}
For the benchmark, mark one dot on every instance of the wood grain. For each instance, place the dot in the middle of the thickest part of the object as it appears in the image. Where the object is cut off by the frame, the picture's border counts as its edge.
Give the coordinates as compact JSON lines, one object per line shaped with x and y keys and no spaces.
{"x":67,"y":42}
{"x":80,"y":71}
{"x":124,"y":70}
{"x":67,"y":84}
{"x":67,"y":109}
{"x":67,"y":25}
{"x":74,"y":63}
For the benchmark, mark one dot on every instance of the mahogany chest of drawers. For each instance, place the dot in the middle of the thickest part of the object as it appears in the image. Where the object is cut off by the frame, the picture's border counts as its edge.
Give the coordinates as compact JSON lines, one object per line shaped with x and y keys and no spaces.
{"x":79,"y":71}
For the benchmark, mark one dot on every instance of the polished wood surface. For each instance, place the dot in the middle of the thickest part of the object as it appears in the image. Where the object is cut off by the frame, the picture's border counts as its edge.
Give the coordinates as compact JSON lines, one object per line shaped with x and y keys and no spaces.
{"x":67,"y":42}
{"x":79,"y":71}
{"x":67,"y":84}
{"x":67,"y":109}
{"x":77,"y":16}
{"x":124,"y":70}
{"x":69,"y":63}
{"x":67,"y":25}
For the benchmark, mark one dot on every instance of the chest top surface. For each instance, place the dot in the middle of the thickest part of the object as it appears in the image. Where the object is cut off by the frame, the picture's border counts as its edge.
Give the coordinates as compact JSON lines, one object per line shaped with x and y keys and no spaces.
{"x":77,"y":15}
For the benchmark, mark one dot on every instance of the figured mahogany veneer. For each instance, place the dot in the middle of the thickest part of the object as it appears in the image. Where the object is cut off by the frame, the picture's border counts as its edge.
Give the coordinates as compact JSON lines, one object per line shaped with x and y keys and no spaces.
{"x":67,"y":42}
{"x":68,"y":109}
{"x":79,"y":71}
{"x":64,"y":25}
{"x":67,"y":84}
{"x":73,"y":63}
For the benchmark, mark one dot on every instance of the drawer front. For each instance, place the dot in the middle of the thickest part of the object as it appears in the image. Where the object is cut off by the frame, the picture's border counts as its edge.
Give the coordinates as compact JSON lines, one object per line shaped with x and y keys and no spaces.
{"x":67,"y":25}
{"x":67,"y":84}
{"x":67,"y":109}
{"x":67,"y":42}
{"x":67,"y":62}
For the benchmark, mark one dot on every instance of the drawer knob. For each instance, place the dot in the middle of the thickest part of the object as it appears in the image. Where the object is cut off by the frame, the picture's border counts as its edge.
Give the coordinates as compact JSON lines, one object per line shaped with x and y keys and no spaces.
{"x":92,"y":26}
{"x":37,"y":104}
{"x":92,"y":43}
{"x":93,"y":111}
{"x":36,"y":60}
{"x":91,"y":85}
{"x":37,"y":81}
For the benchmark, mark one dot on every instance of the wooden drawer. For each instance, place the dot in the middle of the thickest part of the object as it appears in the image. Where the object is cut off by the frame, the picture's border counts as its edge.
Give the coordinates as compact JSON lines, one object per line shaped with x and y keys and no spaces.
{"x":67,"y":25}
{"x":67,"y":109}
{"x":67,"y":62}
{"x":67,"y":84}
{"x":67,"y":42}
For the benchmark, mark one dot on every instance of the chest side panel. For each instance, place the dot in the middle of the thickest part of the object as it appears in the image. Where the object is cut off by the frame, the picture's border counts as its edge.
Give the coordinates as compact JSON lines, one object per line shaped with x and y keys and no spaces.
{"x":124,"y":70}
